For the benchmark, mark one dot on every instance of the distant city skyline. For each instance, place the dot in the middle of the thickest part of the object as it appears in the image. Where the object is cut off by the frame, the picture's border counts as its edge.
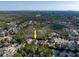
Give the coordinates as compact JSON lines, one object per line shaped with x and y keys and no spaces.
{"x":39,"y":5}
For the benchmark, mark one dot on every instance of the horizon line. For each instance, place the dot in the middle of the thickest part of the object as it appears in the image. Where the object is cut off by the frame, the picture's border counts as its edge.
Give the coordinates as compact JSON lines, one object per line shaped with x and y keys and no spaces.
{"x":39,"y":10}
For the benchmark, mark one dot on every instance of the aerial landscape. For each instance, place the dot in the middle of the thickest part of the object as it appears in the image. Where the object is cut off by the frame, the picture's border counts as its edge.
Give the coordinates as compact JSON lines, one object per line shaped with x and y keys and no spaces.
{"x":39,"y":33}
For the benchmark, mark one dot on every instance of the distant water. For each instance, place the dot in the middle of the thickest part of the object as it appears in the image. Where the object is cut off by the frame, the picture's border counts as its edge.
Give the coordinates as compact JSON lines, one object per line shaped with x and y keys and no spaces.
{"x":39,"y":12}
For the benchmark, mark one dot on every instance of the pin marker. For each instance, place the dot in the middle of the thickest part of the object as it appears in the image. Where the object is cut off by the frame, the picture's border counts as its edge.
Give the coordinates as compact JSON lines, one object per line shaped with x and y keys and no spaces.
{"x":35,"y":35}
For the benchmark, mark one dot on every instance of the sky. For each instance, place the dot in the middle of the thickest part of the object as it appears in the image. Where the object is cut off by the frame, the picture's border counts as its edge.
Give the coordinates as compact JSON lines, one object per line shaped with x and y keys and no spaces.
{"x":39,"y":5}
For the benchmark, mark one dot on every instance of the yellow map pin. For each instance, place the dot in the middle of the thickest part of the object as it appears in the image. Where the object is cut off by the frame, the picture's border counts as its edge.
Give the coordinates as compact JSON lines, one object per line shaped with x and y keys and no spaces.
{"x":35,"y":35}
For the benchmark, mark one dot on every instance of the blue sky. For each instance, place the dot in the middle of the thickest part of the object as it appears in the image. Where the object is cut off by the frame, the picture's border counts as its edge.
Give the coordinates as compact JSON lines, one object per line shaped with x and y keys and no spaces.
{"x":39,"y":5}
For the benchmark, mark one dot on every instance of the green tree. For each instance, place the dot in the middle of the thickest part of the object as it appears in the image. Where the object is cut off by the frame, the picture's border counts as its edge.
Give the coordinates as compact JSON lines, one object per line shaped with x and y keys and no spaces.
{"x":41,"y":51}
{"x":18,"y":54}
